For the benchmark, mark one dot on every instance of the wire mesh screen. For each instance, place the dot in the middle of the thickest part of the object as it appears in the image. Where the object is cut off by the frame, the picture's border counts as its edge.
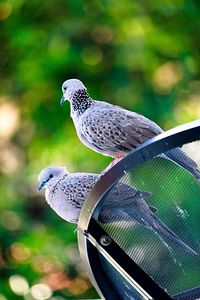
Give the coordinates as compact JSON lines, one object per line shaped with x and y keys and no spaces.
{"x":153,"y":214}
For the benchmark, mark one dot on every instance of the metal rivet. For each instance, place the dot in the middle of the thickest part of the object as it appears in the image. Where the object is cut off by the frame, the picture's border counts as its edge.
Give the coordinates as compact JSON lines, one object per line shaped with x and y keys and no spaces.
{"x":105,"y":240}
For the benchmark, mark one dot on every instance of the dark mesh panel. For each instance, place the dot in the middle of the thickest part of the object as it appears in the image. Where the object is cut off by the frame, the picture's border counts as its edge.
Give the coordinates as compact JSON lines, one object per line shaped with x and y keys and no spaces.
{"x":176,"y":196}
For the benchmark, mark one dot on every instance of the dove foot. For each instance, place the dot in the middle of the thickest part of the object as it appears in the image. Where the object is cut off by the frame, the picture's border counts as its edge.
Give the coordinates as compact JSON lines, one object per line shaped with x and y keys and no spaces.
{"x":112,"y":164}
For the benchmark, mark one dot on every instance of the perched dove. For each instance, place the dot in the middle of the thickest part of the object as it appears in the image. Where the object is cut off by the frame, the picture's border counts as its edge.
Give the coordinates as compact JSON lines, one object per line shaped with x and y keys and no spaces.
{"x":112,"y":130}
{"x":66,"y":193}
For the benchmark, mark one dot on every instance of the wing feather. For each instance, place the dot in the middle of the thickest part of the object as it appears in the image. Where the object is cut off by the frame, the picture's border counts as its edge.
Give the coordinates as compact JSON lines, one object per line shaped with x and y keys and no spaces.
{"x":111,"y":128}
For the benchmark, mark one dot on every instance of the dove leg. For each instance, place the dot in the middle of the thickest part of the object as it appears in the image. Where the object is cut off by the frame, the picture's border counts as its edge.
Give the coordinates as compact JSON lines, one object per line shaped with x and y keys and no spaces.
{"x":113,"y":163}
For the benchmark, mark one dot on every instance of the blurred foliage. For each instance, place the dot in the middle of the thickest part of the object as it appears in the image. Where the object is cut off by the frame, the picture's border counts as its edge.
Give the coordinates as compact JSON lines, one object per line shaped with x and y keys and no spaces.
{"x":143,"y":55}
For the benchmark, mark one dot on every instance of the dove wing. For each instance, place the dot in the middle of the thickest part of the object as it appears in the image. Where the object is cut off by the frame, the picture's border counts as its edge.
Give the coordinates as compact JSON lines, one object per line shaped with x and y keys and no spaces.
{"x":113,"y":129}
{"x":77,"y":187}
{"x":123,"y":195}
{"x":124,"y":202}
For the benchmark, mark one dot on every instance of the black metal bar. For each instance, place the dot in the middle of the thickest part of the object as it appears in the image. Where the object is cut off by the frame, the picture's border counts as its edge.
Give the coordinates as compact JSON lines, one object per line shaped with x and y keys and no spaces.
{"x":100,"y":276}
{"x":126,"y":263}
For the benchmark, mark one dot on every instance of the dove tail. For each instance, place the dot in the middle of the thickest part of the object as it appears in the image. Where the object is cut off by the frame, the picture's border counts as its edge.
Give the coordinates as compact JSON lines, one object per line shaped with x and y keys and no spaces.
{"x":181,"y":158}
{"x":163,"y":230}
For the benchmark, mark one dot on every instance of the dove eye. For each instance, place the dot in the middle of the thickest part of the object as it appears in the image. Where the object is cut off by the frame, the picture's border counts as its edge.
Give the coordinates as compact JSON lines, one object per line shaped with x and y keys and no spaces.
{"x":51,"y":176}
{"x":64,"y":88}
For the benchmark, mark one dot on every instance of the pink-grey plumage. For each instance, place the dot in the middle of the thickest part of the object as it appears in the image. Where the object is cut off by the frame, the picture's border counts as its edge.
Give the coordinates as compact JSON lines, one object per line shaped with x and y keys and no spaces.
{"x":66,"y":193}
{"x":112,"y":130}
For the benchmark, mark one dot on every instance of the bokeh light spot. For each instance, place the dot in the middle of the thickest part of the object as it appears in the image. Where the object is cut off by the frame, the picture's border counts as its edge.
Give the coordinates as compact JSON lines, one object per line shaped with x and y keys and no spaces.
{"x":58,"y":281}
{"x":10,"y":220}
{"x":9,"y":119}
{"x":20,"y":252}
{"x":41,"y":291}
{"x":10,"y":158}
{"x":187,"y":110}
{"x":45,"y":264}
{"x":19,"y":285}
{"x":92,"y":55}
{"x":78,"y":286}
{"x":166,"y":76}
{"x":5,"y":10}
{"x":102,"y":34}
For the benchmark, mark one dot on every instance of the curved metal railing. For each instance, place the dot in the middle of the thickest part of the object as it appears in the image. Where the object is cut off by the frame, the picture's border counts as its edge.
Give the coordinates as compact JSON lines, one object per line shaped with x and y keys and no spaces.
{"x":127,"y":260}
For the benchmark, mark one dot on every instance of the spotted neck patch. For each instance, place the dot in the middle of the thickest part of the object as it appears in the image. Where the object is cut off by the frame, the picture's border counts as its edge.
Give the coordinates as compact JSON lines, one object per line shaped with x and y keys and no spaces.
{"x":81,"y":101}
{"x":57,"y":185}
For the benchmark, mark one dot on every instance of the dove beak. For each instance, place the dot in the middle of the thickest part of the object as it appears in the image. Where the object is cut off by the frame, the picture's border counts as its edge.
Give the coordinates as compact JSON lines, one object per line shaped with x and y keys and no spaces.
{"x":62,"y":100}
{"x":41,"y":186}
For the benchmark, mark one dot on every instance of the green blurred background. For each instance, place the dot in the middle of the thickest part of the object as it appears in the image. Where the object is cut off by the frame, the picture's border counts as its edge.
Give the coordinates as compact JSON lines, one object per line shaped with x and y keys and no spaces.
{"x":143,"y":55}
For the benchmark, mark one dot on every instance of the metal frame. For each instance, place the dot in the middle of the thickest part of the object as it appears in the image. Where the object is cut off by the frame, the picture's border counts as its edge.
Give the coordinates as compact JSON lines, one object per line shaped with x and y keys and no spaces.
{"x":89,"y":230}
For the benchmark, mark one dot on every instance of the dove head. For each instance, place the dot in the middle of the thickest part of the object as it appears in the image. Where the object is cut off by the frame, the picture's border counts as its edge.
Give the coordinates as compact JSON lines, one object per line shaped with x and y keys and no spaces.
{"x":50,"y":175}
{"x":70,"y":88}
